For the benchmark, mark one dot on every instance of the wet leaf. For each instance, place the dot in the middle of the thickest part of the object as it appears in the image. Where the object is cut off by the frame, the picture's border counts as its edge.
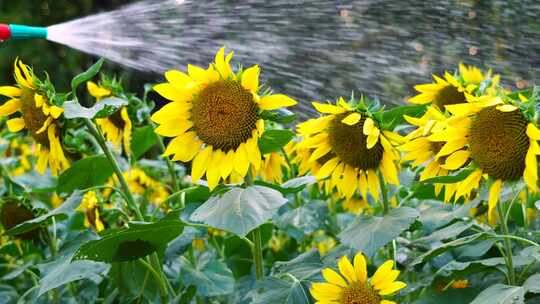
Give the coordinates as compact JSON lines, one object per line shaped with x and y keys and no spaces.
{"x":501,"y":294}
{"x":211,"y":276}
{"x":142,"y":140}
{"x":369,"y":234}
{"x":88,"y":172}
{"x":103,"y":108}
{"x":86,"y":75}
{"x":240,"y":210}
{"x":274,"y":140}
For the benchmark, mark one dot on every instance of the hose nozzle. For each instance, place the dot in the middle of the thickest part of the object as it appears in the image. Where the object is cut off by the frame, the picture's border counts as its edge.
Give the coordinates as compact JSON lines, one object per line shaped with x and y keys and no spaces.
{"x":15,"y":31}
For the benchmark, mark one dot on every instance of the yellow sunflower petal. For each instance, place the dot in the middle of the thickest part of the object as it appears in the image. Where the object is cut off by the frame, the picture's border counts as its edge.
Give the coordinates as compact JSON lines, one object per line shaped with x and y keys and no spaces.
{"x":347,"y":269}
{"x":56,"y":111}
{"x":456,"y":160}
{"x":326,"y":291}
{"x":97,"y":91}
{"x":494,"y":193}
{"x":276,"y":101}
{"x":171,"y":92}
{"x":200,"y":163}
{"x":373,"y":138}
{"x":15,"y":124}
{"x":241,"y":160}
{"x":10,"y":91}
{"x":250,"y":79}
{"x":174,"y":127}
{"x":363,"y":183}
{"x":212,"y":171}
{"x":373,"y":183}
{"x":392,"y":288}
{"x":360,"y":267}
{"x":368,"y":126}
{"x":380,"y":276}
{"x":333,"y":277}
{"x":327,"y":168}
{"x":328,"y":108}
{"x":10,"y":107}
{"x":533,"y":132}
{"x":177,"y":78}
{"x":227,"y":165}
{"x":352,"y":119}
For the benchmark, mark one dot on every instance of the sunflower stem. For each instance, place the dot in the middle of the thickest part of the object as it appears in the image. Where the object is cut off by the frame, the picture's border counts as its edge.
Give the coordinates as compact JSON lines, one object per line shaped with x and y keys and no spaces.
{"x":507,"y":245}
{"x":386,"y":208}
{"x":129,"y":196}
{"x":257,"y":241}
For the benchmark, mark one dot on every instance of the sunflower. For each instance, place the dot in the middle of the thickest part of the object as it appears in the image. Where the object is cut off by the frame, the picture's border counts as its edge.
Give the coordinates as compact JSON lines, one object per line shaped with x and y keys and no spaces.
{"x":498,"y":138}
{"x":141,"y":184}
{"x":272,"y":167}
{"x":214,"y":118}
{"x":38,"y":115}
{"x":350,"y":148}
{"x":117,"y":128}
{"x":423,"y":152}
{"x":453,"y":89}
{"x":90,"y":207}
{"x":22,"y":151}
{"x":352,"y":286}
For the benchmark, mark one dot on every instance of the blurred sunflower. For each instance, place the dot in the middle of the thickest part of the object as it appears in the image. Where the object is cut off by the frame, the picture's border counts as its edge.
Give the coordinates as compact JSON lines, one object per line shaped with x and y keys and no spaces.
{"x":38,"y":115}
{"x":452,"y":89}
{"x":322,"y":242}
{"x":422,"y":151}
{"x":355,"y":205}
{"x":498,"y":138}
{"x":117,"y":128}
{"x":350,"y":148}
{"x":22,"y":151}
{"x":140,"y":183}
{"x":352,"y":285}
{"x":214,"y":118}
{"x":12,"y":213}
{"x":90,"y":207}
{"x":272,"y":167}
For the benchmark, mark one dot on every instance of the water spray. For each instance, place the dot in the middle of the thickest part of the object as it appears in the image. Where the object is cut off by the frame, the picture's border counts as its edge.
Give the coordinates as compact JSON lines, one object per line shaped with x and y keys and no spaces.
{"x":16,"y":31}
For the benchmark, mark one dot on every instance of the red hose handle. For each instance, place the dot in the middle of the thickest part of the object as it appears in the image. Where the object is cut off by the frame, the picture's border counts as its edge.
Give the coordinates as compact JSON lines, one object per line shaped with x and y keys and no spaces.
{"x":5,"y":32}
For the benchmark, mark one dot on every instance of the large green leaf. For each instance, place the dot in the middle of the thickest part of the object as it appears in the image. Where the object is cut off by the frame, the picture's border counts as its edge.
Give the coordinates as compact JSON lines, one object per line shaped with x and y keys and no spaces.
{"x":88,"y":172}
{"x":282,"y":116}
{"x":274,"y":140}
{"x":297,"y":184}
{"x":501,"y":294}
{"x":134,"y":281}
{"x":64,"y":272}
{"x":211,"y":276}
{"x":449,"y":179}
{"x":142,"y":140}
{"x":86,"y":75}
{"x":286,"y":290}
{"x":306,"y":266}
{"x":532,"y":284}
{"x":138,"y":241}
{"x":368,"y":234}
{"x":103,"y":108}
{"x":440,"y":214}
{"x":432,"y":253}
{"x":59,"y":213}
{"x":240,"y":210}
{"x":450,"y":231}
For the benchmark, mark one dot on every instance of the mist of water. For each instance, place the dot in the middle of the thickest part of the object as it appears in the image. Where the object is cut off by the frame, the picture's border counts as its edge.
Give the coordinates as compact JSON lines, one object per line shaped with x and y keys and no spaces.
{"x":318,"y":50}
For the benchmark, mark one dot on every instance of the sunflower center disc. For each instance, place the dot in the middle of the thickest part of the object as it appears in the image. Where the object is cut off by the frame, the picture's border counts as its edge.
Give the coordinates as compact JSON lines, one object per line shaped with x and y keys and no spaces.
{"x":34,"y":118}
{"x":499,"y":143}
{"x":224,"y":115}
{"x":117,"y":120}
{"x":349,"y":144}
{"x":359,"y":294}
{"x":449,"y":95}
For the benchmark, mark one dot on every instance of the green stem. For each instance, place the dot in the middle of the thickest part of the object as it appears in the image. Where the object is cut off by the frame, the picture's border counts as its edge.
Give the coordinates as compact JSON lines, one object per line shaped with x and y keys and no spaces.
{"x":257,"y":242}
{"x":257,"y":253}
{"x":386,"y":208}
{"x":507,"y":246}
{"x":159,"y":279}
{"x":116,"y":168}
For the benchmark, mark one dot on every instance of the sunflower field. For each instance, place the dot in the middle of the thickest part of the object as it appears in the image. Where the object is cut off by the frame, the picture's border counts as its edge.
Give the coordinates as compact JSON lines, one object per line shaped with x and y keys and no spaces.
{"x":222,"y":196}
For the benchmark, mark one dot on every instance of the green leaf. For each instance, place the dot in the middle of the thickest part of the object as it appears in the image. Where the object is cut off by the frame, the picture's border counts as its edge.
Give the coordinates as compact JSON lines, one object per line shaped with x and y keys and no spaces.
{"x":142,"y":140}
{"x":501,"y":294}
{"x":274,"y":140}
{"x":448,"y":246}
{"x":130,"y":244}
{"x":211,"y":276}
{"x":86,"y":75}
{"x":240,"y":210}
{"x":286,"y":290}
{"x":282,"y":116}
{"x":65,"y":272}
{"x":453,"y":266}
{"x":449,"y":179}
{"x":103,"y":108}
{"x":445,"y":233}
{"x":368,"y":234}
{"x":449,"y":296}
{"x":304,"y":267}
{"x":297,"y":184}
{"x":441,"y":214}
{"x":59,"y":213}
{"x":395,"y":115}
{"x":134,"y":281}
{"x":86,"y":173}
{"x":532,"y":284}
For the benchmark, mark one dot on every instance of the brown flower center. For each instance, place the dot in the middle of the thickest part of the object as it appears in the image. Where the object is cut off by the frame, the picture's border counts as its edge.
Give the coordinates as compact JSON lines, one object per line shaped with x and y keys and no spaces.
{"x":449,"y":95}
{"x":349,"y":144}
{"x":34,"y":118}
{"x":499,"y":143}
{"x":224,"y":115}
{"x":359,"y":293}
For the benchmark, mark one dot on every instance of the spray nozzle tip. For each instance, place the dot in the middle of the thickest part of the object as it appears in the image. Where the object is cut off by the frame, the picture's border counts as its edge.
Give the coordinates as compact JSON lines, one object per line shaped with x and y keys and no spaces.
{"x":5,"y":32}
